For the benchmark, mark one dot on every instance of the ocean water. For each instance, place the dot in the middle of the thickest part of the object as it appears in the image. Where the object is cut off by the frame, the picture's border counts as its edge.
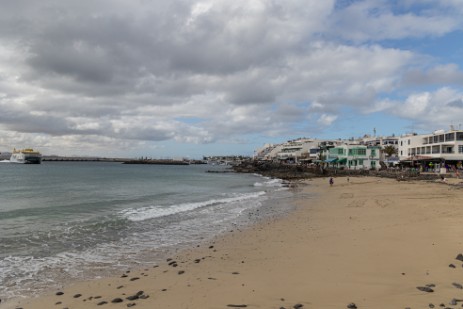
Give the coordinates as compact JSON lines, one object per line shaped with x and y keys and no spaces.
{"x":67,"y":221}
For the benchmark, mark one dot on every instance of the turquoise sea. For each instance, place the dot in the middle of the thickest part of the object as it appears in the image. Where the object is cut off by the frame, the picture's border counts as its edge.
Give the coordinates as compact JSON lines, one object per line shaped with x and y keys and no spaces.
{"x":67,"y":221}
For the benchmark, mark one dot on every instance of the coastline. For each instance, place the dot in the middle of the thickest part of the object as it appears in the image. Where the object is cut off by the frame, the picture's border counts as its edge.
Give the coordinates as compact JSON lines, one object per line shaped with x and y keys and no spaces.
{"x":369,"y":242}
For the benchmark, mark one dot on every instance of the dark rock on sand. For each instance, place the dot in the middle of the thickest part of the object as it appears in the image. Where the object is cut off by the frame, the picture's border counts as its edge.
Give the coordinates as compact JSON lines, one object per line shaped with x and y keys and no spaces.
{"x":181,"y":272}
{"x":117,"y":300}
{"x":459,"y":257}
{"x":131,"y":304}
{"x":431,"y":306}
{"x":452,"y":266}
{"x":77,"y":295}
{"x":352,"y":306}
{"x":132,"y":297}
{"x":134,"y":278}
{"x":59,"y":293}
{"x":102,"y":303}
{"x":457,"y":285}
{"x":425,"y":289}
{"x":237,"y":306}
{"x":136,"y":296}
{"x":298,"y":306}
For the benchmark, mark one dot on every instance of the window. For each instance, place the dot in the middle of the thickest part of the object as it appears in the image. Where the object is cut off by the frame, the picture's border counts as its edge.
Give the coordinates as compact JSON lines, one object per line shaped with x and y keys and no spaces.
{"x":460,"y":148}
{"x":441,"y":138}
{"x":373,"y":152}
{"x":409,"y":142}
{"x":459,"y":136}
{"x":435,"y":149}
{"x":362,"y":152}
{"x":436,"y":139}
{"x":449,"y":137}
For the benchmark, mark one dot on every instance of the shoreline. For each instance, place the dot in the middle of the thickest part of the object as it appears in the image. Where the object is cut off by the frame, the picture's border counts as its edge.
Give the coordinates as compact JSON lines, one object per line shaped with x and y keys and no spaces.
{"x":370,"y":242}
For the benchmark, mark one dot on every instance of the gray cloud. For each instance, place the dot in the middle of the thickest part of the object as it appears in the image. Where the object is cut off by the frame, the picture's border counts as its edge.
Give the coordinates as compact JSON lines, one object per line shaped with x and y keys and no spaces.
{"x":123,"y":73}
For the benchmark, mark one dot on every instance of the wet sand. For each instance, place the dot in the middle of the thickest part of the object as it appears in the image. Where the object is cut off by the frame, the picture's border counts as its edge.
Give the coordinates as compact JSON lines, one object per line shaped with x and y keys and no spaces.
{"x":365,"y":243}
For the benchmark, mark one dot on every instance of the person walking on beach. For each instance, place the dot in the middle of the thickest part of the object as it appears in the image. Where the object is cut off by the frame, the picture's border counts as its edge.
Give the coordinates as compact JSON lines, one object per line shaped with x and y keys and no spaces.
{"x":331,"y":181}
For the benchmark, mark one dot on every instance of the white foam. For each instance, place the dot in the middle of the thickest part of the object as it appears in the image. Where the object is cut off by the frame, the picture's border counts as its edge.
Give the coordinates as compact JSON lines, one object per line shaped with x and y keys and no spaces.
{"x":271,"y":183}
{"x":151,"y":212}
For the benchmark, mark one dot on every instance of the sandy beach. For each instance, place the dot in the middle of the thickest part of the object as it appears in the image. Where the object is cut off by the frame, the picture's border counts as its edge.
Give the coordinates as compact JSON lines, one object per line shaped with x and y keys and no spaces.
{"x":361,"y":243}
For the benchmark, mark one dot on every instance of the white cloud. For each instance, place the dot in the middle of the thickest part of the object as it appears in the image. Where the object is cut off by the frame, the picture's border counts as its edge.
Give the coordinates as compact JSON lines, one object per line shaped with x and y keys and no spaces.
{"x":128,"y":74}
{"x":326,"y":119}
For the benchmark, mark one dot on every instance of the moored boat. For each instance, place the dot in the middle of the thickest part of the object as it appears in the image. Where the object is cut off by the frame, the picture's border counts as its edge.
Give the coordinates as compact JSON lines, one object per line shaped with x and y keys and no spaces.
{"x":26,"y":156}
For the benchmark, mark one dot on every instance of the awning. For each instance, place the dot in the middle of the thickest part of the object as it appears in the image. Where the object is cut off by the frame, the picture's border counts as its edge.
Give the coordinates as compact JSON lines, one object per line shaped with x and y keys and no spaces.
{"x":419,"y":158}
{"x":334,"y":160}
{"x":342,"y":161}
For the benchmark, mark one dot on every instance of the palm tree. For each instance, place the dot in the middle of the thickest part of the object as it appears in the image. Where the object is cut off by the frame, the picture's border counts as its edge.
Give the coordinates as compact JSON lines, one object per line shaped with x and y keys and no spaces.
{"x":389,"y":150}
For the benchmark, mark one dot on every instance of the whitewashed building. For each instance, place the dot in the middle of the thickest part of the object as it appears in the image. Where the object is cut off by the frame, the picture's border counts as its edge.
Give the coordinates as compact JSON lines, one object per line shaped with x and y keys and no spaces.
{"x":439,"y":145}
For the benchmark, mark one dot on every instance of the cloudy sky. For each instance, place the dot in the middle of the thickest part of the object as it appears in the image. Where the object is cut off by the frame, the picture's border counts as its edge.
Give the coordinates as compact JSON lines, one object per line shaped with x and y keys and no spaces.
{"x":192,"y":78}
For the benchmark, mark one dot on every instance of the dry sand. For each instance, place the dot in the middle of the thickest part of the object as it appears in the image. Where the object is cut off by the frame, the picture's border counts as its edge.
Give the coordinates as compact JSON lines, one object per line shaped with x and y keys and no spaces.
{"x":369,"y":241}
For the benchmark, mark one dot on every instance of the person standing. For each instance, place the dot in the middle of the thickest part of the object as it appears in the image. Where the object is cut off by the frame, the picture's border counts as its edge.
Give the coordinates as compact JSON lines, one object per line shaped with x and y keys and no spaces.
{"x":331,"y":181}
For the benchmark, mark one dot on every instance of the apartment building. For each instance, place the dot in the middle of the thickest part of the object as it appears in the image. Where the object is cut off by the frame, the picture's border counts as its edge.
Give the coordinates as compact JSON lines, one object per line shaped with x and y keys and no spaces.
{"x":355,"y":156}
{"x":438,"y":146}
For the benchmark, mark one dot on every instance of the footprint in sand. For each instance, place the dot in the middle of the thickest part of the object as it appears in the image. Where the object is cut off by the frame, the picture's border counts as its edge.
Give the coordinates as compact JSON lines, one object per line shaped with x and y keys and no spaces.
{"x":347,"y":195}
{"x":383,"y":203}
{"x":357,"y":203}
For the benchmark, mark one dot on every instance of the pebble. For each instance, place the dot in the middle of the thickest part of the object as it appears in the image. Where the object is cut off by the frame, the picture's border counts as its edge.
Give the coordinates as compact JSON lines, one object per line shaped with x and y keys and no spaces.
{"x":134,"y":278}
{"x":297,"y":306}
{"x":59,"y":293}
{"x":459,"y":257}
{"x":457,"y":285}
{"x":425,"y":289}
{"x":352,"y":306}
{"x":117,"y":300}
{"x":237,"y":306}
{"x":452,"y":266}
{"x":102,"y":303}
{"x":77,"y":295}
{"x":181,"y":272}
{"x":131,"y":304}
{"x":132,"y":297}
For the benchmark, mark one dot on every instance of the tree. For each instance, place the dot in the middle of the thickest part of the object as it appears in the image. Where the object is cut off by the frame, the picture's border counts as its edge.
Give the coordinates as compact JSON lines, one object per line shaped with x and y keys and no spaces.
{"x":389,"y":150}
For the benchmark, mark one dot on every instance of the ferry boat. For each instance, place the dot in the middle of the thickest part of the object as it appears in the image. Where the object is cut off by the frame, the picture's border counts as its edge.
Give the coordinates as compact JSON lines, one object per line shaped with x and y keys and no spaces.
{"x":26,"y":156}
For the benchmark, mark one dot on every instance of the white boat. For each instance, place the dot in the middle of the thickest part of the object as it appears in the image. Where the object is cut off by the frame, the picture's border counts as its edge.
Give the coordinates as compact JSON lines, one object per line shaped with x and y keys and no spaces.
{"x":26,"y":156}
